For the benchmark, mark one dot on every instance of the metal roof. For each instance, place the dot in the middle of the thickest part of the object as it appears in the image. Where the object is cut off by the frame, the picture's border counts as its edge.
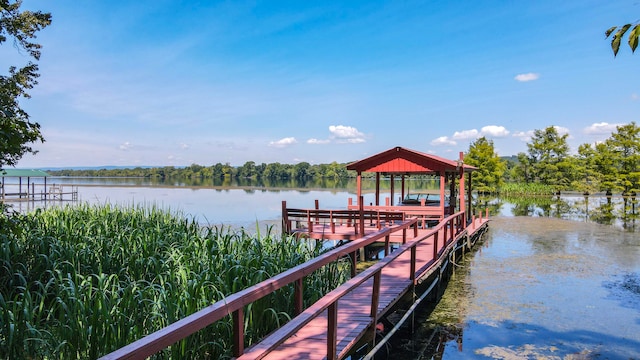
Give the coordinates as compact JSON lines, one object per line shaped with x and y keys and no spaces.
{"x":403,"y":160}
{"x":23,"y":173}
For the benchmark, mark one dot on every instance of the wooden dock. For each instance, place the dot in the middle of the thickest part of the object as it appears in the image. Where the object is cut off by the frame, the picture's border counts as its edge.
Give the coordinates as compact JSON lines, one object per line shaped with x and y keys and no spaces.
{"x":346,"y":317}
{"x":349,"y":318}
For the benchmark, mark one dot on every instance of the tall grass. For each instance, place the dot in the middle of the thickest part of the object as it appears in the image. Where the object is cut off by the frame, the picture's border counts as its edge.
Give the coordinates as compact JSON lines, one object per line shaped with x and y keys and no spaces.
{"x":82,"y":281}
{"x":527,"y":189}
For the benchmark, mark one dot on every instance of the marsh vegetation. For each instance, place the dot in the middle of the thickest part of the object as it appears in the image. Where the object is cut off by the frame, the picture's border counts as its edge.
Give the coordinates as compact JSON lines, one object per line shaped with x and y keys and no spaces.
{"x":81,"y":281}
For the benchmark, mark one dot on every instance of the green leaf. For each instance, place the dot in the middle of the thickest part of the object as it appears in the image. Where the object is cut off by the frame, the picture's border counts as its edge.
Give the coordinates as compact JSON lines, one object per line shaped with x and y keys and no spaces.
{"x":608,"y":32}
{"x":615,"y":42}
{"x":633,"y":37}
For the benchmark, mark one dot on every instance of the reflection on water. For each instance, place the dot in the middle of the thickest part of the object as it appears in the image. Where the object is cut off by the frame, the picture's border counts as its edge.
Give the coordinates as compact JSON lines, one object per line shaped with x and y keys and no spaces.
{"x":539,"y":288}
{"x":609,"y":210}
{"x":217,"y":198}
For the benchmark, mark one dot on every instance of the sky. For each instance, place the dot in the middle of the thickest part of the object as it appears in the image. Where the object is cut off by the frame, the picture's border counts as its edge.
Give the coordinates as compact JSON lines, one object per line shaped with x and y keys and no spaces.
{"x":173,"y":83}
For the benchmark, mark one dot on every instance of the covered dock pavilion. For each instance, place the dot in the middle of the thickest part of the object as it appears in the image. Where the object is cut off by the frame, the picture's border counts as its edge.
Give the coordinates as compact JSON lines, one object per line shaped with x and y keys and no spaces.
{"x":402,"y":162}
{"x":24,"y":189}
{"x":360,"y":219}
{"x":31,"y":185}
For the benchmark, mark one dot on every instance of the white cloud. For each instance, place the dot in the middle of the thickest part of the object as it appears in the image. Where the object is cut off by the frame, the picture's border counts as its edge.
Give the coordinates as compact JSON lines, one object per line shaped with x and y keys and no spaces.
{"x":523,"y":135}
{"x":494,"y":131}
{"x":347,"y":133}
{"x":443,"y":140}
{"x":318,"y":141}
{"x":125,"y":146}
{"x":527,"y":77}
{"x":283,"y":142}
{"x":340,"y":134}
{"x":561,"y":130}
{"x":602,"y":128}
{"x":489,"y":131}
{"x":465,"y":134}
{"x":184,"y":146}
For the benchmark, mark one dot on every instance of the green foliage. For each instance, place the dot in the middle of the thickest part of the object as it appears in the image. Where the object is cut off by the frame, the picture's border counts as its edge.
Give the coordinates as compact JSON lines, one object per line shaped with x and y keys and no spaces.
{"x":489,"y":177}
{"x":587,"y":179}
{"x":632,"y":38}
{"x":82,"y":281}
{"x":17,"y":131}
{"x":611,"y":166}
{"x":249,"y":170}
{"x":624,"y":146}
{"x":548,"y":156}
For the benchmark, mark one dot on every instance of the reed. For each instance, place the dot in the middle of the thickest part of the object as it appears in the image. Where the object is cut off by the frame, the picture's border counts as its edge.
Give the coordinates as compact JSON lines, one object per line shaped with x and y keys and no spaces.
{"x":527,"y":189}
{"x":82,"y":281}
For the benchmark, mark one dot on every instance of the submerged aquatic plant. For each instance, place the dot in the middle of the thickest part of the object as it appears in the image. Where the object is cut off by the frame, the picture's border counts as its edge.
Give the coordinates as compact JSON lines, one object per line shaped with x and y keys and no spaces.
{"x":82,"y":281}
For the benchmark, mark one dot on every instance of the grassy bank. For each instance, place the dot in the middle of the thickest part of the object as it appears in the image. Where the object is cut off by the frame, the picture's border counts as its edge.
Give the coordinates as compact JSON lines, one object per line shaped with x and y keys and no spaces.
{"x":82,"y":281}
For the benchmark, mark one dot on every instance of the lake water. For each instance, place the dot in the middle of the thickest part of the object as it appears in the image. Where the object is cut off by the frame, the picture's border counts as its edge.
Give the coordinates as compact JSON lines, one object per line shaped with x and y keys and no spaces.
{"x":556,"y":278}
{"x":538,"y":288}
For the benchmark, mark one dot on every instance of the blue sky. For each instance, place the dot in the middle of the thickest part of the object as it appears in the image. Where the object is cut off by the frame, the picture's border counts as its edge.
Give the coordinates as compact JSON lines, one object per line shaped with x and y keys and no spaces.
{"x":181,"y":82}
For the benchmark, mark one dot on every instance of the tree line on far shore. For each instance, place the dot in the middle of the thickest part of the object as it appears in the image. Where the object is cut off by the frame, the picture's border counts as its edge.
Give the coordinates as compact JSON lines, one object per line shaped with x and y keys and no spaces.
{"x":250,"y":170}
{"x":609,"y":166}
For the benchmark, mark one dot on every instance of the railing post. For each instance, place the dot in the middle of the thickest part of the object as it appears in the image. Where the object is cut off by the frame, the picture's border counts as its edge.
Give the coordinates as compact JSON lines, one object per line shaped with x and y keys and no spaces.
{"x":386,"y":244}
{"x":238,"y":332}
{"x":451,"y":230}
{"x":412,"y":272}
{"x":487,"y":216}
{"x":435,"y":244}
{"x":298,"y":294}
{"x":361,"y":207}
{"x":375,"y":300}
{"x":352,"y":256}
{"x":286,"y":227}
{"x":473,"y":222}
{"x":332,"y":330}
{"x":317,"y":208}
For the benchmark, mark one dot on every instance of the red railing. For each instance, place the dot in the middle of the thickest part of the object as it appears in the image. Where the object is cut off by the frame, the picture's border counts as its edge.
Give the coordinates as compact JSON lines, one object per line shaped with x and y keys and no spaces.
{"x":453,"y":226}
{"x":235,"y":303}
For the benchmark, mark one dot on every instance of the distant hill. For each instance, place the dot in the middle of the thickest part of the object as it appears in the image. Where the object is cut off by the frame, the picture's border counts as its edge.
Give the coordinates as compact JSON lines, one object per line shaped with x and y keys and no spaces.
{"x":511,"y":159}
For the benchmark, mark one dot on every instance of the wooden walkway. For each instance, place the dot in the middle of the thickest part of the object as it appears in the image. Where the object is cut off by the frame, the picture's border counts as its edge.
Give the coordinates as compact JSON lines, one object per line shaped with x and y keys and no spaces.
{"x":345,"y":317}
{"x":309,"y":336}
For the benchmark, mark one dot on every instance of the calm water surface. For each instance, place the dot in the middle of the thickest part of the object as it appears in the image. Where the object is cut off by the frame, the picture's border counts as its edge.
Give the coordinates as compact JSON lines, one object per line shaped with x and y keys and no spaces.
{"x":538,"y":288}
